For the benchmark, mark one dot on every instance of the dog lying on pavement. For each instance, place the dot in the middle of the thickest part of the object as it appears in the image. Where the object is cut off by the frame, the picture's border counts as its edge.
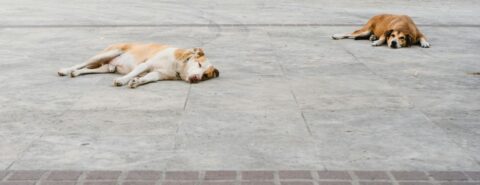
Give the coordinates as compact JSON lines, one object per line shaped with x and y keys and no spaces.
{"x":144,"y":63}
{"x":396,"y":30}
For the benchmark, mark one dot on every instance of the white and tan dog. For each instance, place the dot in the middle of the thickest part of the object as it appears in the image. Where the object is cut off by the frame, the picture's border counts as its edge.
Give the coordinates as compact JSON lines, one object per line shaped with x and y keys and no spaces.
{"x":397,"y":30}
{"x":144,"y":63}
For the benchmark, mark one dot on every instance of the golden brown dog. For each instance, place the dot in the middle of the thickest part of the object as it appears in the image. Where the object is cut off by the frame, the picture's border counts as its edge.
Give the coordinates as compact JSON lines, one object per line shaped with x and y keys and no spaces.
{"x":145,"y":63}
{"x":397,"y":30}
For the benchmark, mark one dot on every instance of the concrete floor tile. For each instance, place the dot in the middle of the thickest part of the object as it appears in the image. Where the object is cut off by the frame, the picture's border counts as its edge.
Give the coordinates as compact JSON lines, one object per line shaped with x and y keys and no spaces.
{"x":118,"y":122}
{"x":245,"y":152}
{"x":97,"y":152}
{"x":406,"y":136}
{"x":239,"y":123}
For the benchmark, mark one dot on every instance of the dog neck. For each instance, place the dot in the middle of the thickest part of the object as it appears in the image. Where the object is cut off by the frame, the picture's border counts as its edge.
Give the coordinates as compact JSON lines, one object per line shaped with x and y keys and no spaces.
{"x":180,"y":68}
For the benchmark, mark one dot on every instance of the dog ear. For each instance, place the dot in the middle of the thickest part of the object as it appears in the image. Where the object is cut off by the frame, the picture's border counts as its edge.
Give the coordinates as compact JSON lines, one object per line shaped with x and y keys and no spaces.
{"x":409,"y":40}
{"x":183,"y":55}
{"x":216,"y":73}
{"x":211,"y":73}
{"x":388,"y":33}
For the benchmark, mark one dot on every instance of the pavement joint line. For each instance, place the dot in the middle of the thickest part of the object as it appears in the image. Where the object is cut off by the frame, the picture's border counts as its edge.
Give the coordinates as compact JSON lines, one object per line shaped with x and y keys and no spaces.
{"x":276,"y":178}
{"x":238,"y":177}
{"x":122,"y":177}
{"x":213,"y":25}
{"x":355,"y":179}
{"x":6,"y":176}
{"x":82,"y":178}
{"x":282,"y":68}
{"x":20,"y":155}
{"x":390,"y":175}
{"x":201,"y":176}
{"x":43,"y":178}
{"x":186,"y":98}
{"x":315,"y":177}
{"x":161,"y":179}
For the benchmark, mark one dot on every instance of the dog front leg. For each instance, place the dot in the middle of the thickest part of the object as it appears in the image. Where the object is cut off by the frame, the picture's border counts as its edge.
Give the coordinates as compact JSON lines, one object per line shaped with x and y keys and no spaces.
{"x":135,"y":72}
{"x":380,"y":41}
{"x":424,"y":43}
{"x":150,"y":77}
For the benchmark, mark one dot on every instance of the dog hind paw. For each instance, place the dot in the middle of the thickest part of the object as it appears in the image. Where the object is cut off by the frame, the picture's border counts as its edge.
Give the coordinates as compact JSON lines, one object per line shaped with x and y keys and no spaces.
{"x":134,"y":83}
{"x":64,"y":72}
{"x":119,"y":82}
{"x":337,"y":36}
{"x":74,"y":74}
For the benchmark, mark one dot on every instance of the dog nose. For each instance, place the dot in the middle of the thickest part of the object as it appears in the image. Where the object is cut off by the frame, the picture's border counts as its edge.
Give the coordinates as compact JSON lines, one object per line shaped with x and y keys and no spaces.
{"x":394,"y":44}
{"x":193,"y":79}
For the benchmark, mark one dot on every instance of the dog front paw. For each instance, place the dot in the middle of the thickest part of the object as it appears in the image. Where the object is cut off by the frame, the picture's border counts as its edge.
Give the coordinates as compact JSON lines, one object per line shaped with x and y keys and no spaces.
{"x":377,"y":43}
{"x":425,"y":44}
{"x":372,"y":38}
{"x":134,"y":83}
{"x":120,"y":82}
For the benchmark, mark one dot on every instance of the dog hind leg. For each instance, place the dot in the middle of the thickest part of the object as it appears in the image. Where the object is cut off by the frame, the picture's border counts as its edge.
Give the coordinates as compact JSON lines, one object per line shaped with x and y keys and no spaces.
{"x":362,"y":33}
{"x":96,"y":60}
{"x":357,"y":35}
{"x":105,"y":68}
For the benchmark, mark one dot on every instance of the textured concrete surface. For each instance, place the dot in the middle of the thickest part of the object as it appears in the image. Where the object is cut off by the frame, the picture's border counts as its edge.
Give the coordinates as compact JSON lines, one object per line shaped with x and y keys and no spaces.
{"x":288,"y":96}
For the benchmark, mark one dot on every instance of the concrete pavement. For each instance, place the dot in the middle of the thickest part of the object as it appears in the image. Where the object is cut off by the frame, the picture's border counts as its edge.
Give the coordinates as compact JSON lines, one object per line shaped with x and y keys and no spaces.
{"x":288,"y":96}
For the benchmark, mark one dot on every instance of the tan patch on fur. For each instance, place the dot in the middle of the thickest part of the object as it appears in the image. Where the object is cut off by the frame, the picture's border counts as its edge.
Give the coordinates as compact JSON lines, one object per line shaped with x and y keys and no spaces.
{"x":183,"y":54}
{"x":141,"y":52}
{"x":211,"y":72}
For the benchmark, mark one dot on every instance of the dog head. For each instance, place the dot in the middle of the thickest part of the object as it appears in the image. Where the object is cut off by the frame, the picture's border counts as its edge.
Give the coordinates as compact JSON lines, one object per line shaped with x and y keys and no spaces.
{"x":398,"y":39}
{"x":198,"y":67}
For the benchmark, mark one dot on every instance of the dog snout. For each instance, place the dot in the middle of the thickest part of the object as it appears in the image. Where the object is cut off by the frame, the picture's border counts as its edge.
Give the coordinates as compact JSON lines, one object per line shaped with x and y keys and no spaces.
{"x":393,"y":44}
{"x":193,"y":79}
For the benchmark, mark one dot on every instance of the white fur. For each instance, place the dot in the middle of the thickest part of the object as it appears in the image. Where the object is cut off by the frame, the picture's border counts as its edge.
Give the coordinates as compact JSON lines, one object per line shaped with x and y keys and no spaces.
{"x":378,"y":42}
{"x":424,"y":43}
{"x":161,"y":66}
{"x":339,"y":36}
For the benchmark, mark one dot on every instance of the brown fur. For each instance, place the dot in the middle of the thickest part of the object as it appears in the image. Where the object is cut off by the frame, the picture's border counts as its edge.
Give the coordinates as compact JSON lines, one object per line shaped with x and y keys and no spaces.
{"x":380,"y":24}
{"x":210,"y":73}
{"x":400,"y":28}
